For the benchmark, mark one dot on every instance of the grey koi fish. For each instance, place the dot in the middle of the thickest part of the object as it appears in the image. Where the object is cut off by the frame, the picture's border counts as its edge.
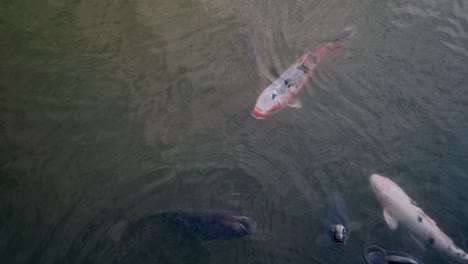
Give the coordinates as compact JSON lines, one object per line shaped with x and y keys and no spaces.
{"x":206,"y":224}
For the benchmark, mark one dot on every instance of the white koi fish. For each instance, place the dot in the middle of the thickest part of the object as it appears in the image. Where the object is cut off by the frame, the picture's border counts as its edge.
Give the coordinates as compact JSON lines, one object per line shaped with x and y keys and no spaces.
{"x":283,"y":90}
{"x":398,"y":207}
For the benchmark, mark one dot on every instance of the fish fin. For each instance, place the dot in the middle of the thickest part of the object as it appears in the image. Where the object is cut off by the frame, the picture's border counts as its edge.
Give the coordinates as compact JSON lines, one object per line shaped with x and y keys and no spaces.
{"x":270,"y":78}
{"x":116,"y":231}
{"x":392,"y":222}
{"x":418,"y":241}
{"x":346,"y":33}
{"x":295,"y":103}
{"x":399,"y":259}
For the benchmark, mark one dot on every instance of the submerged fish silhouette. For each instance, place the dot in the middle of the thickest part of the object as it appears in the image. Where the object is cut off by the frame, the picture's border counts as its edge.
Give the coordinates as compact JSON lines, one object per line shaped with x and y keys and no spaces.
{"x":336,"y":221}
{"x":206,"y":224}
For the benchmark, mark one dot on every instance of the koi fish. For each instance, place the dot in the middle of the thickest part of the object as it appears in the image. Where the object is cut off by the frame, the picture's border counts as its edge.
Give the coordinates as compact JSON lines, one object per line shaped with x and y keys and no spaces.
{"x":282,"y":91}
{"x":206,"y":224}
{"x":336,"y":222}
{"x":398,"y":207}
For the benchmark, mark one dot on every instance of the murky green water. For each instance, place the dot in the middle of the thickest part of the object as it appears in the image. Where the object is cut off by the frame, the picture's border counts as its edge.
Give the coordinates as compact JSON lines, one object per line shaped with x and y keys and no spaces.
{"x":112,"y":109}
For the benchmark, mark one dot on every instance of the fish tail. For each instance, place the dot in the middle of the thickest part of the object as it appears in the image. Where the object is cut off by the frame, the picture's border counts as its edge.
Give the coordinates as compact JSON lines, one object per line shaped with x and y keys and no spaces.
{"x":117,"y":231}
{"x":457,"y":252}
{"x":346,"y":33}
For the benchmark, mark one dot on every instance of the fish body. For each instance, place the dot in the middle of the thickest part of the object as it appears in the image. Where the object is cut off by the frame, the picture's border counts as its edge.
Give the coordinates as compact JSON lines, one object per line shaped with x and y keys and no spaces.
{"x":206,"y":224}
{"x":399,"y":208}
{"x":392,"y":257}
{"x":212,"y":224}
{"x":336,"y":221}
{"x":282,"y":91}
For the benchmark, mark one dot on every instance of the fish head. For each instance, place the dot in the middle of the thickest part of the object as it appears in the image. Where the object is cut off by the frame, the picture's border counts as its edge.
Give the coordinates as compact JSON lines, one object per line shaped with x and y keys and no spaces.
{"x":389,"y":193}
{"x":380,"y":183}
{"x":249,"y":226}
{"x":340,"y":233}
{"x":242,"y":225}
{"x":270,"y":101}
{"x":381,"y":186}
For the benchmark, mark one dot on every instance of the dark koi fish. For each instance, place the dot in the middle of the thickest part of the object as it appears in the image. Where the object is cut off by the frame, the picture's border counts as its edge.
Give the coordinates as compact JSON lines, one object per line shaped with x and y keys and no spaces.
{"x":206,"y":224}
{"x":336,"y":222}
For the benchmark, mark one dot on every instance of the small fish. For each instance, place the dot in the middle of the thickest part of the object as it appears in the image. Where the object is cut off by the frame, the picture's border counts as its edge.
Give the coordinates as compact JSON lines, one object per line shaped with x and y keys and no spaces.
{"x":336,"y":222}
{"x":398,"y":207}
{"x":206,"y":224}
{"x":282,"y":91}
{"x":392,"y":257}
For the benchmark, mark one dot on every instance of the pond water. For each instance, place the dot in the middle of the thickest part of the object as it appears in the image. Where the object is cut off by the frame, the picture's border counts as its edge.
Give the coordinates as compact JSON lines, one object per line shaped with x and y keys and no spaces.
{"x":115,"y":108}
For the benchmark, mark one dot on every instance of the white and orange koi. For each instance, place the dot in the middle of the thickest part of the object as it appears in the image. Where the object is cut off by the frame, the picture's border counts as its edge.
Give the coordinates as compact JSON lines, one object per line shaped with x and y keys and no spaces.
{"x":282,"y":91}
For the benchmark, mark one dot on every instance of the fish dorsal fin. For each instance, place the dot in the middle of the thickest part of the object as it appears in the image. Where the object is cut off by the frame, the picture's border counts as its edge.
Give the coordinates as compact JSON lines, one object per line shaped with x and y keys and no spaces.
{"x":392,"y":222}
